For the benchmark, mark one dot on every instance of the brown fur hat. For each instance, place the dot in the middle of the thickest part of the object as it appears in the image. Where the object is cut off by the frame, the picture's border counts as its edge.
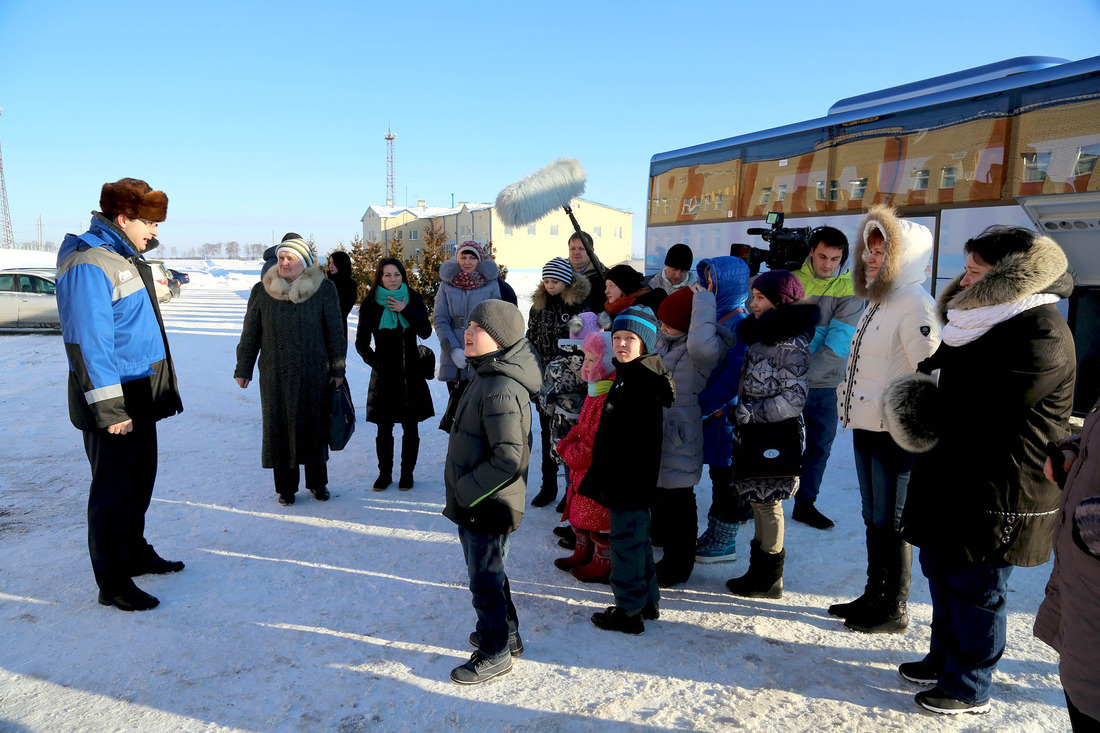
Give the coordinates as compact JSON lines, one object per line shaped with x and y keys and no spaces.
{"x":134,"y":199}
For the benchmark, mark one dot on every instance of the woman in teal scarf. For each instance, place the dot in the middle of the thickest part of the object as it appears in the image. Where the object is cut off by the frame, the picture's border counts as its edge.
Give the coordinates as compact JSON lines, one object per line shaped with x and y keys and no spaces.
{"x":392,"y":316}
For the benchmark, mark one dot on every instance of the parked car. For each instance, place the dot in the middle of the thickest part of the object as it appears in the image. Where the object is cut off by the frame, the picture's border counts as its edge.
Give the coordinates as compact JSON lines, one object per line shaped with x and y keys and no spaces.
{"x":180,"y":275}
{"x":160,"y":281}
{"x":28,"y":298}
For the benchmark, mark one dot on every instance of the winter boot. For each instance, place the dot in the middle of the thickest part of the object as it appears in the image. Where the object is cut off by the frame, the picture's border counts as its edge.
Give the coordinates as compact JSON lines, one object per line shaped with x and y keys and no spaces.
{"x":582,"y":555}
{"x":410,"y":449}
{"x":722,"y":544}
{"x":765,"y":576}
{"x":875,"y":579}
{"x":708,"y":534}
{"x":599,"y":569}
{"x":547,"y":493}
{"x":616,"y":619}
{"x":887,"y":613}
{"x":383,"y":444}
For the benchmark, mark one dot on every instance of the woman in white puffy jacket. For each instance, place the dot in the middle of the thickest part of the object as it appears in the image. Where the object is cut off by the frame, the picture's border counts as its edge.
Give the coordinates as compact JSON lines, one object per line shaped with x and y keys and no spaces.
{"x":896,"y":332}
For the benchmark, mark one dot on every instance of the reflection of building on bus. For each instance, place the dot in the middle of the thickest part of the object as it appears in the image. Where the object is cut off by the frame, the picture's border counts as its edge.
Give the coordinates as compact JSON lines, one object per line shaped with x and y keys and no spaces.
{"x":1015,"y":142}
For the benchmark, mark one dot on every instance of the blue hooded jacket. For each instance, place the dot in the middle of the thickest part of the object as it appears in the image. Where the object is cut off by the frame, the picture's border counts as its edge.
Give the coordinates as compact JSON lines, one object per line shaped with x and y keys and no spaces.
{"x":730,"y":278}
{"x":119,"y":365}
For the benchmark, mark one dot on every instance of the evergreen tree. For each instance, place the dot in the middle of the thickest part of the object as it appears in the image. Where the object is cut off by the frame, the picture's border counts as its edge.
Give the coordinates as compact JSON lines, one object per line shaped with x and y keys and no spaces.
{"x":489,"y":253}
{"x":424,"y":272}
{"x":364,"y":261}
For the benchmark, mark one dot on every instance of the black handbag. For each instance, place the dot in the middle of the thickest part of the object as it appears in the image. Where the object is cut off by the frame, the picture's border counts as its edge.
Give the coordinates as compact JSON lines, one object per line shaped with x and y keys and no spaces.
{"x":342,"y":417}
{"x":427,"y":361}
{"x":768,"y":450}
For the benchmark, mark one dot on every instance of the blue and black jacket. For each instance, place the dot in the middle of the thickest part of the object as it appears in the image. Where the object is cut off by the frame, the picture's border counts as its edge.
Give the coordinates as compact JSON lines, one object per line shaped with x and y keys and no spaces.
{"x":119,"y":364}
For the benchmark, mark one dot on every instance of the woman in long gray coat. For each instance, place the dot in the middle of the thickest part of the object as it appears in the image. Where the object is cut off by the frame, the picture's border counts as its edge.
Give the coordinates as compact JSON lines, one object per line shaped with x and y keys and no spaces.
{"x":293,"y":323}
{"x":465,"y":281}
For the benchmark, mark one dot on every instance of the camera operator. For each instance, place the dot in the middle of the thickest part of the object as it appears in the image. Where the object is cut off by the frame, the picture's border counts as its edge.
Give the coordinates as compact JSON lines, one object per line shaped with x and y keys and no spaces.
{"x":827,"y":285}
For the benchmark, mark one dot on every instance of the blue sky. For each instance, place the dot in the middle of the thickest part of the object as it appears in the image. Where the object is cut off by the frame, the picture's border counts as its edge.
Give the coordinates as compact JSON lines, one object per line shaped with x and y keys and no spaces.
{"x":261,"y":117}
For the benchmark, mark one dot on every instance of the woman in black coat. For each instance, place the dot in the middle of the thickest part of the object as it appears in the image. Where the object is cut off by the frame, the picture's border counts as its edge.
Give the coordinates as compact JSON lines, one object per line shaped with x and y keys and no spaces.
{"x":978,"y":502}
{"x":392,"y":315}
{"x":339,"y":272}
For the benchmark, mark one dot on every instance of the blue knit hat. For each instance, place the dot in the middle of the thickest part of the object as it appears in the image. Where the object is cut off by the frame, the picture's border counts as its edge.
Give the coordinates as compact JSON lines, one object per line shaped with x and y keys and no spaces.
{"x":641,"y":321}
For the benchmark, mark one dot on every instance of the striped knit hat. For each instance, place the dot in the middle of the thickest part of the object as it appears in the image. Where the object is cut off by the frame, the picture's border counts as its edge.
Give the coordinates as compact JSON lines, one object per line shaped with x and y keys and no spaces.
{"x":299,"y":248}
{"x":640,"y":320}
{"x":559,"y":269}
{"x":473,"y":248}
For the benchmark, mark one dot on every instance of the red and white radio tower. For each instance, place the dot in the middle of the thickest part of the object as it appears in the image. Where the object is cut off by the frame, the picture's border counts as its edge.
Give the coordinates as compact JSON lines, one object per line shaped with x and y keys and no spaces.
{"x":389,"y":167}
{"x":7,"y":239}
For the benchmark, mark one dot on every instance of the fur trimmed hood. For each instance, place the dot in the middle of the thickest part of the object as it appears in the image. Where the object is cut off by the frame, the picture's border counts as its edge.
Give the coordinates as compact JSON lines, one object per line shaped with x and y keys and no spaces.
{"x":449,"y":269}
{"x":574,"y":294}
{"x":1041,"y":269}
{"x":296,"y":292}
{"x":780,"y":324}
{"x":908,"y":248}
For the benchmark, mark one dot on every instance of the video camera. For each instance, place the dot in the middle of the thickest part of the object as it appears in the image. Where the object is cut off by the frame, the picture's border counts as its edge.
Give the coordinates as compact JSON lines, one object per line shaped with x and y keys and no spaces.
{"x":788,"y":247}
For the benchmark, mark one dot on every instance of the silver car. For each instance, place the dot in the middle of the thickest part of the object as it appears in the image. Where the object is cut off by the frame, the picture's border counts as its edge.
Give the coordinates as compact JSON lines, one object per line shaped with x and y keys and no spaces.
{"x":28,"y":299}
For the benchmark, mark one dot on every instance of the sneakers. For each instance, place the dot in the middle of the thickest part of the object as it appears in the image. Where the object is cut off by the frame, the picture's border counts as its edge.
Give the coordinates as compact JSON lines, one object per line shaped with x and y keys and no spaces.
{"x":515,"y":643}
{"x":481,"y":668}
{"x":807,"y":513}
{"x":129,"y":599}
{"x":616,"y":619}
{"x":918,"y":673}
{"x":938,"y":701}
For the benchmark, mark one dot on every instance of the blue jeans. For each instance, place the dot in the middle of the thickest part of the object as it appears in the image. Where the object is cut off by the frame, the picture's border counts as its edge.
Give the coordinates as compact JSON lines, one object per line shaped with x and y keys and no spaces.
{"x":496,"y":615}
{"x":969,"y":622}
{"x":882,"y":468}
{"x":821,"y":422}
{"x":633,"y":575}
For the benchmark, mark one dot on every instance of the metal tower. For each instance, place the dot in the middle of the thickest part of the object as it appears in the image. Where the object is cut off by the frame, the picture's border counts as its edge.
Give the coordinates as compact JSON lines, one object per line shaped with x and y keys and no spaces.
{"x":389,"y":167}
{"x":7,"y":239}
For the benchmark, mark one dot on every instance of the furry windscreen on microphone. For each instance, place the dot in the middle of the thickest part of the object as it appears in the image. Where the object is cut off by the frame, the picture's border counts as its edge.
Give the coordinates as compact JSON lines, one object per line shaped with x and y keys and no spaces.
{"x":533,"y":197}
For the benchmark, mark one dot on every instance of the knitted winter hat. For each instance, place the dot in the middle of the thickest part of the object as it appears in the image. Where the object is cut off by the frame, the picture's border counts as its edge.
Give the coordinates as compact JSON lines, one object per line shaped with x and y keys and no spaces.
{"x":473,"y":248}
{"x":598,"y":345}
{"x":583,"y":324}
{"x":626,"y":278}
{"x":680,"y":257}
{"x":134,"y":199}
{"x":675,"y":310}
{"x":559,"y":269}
{"x":780,"y":287}
{"x":501,"y":320}
{"x":640,"y":320}
{"x":299,"y":248}
{"x":291,"y":235}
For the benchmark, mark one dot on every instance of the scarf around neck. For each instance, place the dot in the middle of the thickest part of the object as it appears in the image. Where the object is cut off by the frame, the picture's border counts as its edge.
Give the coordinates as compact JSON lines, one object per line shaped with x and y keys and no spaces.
{"x":390,"y":318}
{"x":603,"y":386}
{"x":965,"y":326}
{"x":471,"y":280}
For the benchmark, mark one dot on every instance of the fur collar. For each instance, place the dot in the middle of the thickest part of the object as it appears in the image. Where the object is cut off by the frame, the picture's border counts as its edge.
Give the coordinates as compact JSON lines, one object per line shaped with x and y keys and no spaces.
{"x":1041,"y":269}
{"x":908,"y":248}
{"x":780,"y":324}
{"x":296,"y":292}
{"x":574,"y":294}
{"x":450,"y":268}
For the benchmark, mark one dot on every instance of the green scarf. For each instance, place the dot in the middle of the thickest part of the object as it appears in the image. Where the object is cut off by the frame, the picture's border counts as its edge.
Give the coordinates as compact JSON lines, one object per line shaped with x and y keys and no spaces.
{"x":391,"y":319}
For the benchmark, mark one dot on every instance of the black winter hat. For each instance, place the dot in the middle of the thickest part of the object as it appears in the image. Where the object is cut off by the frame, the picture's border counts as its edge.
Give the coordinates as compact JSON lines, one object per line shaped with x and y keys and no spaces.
{"x":626,"y":278}
{"x":680,"y":257}
{"x":501,"y":320}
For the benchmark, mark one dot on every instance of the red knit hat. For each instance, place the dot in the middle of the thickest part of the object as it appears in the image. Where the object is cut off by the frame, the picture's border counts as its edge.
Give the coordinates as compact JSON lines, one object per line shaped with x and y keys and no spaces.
{"x":780,"y":287}
{"x":675,"y":310}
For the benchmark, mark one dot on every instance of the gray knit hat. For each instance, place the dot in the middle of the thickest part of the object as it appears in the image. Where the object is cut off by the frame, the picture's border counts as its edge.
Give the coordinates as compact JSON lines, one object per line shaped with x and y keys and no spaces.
{"x":501,"y":320}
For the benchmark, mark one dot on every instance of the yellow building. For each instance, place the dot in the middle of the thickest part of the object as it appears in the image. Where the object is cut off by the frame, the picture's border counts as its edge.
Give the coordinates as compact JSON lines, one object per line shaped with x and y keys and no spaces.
{"x":521,"y":248}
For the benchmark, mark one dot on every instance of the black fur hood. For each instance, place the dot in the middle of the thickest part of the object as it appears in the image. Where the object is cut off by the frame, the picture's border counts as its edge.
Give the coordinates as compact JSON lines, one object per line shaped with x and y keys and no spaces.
{"x":780,"y":324}
{"x":1041,"y":269}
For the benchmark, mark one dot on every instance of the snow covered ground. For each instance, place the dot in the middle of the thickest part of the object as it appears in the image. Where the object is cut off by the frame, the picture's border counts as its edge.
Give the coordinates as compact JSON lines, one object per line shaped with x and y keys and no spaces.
{"x":349,"y":615}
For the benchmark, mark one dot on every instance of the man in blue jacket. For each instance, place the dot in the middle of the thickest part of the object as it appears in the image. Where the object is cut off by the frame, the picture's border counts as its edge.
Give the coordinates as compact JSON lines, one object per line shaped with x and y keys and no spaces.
{"x":121,"y":380}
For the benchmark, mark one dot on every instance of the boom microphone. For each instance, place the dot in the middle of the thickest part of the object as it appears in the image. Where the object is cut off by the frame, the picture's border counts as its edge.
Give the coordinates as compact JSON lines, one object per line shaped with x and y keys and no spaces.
{"x":534,"y":196}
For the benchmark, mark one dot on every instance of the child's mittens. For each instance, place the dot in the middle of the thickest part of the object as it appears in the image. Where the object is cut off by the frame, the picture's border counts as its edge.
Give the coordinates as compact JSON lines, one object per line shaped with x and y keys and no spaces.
{"x":1086,"y":525}
{"x":458,"y":356}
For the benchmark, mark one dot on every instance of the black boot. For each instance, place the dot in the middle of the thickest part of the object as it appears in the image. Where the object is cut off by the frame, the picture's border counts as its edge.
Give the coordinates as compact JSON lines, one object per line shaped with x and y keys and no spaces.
{"x":384,"y":446}
{"x":764,"y":578}
{"x":410,"y":448}
{"x":887,"y":613}
{"x":549,"y":490}
{"x":875,"y":578}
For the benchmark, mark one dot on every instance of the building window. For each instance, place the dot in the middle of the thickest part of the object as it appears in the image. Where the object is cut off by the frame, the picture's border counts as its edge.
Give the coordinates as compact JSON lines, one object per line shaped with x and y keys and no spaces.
{"x":665,"y":202}
{"x":414,"y":234}
{"x":920,"y":179}
{"x":691,"y":206}
{"x":597,"y":232}
{"x":1035,"y":167}
{"x":820,"y":190}
{"x":718,"y":202}
{"x":947,"y":178}
{"x":618,"y":234}
{"x":507,"y":231}
{"x":859,"y":187}
{"x":706,"y":203}
{"x":782,"y":191}
{"x":834,"y":188}
{"x":765,"y":194}
{"x":1086,"y":160}
{"x":553,"y":230}
{"x":530,"y":230}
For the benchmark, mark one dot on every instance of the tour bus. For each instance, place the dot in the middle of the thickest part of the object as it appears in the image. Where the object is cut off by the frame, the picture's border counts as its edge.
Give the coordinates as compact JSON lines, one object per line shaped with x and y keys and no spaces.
{"x":1015,"y":142}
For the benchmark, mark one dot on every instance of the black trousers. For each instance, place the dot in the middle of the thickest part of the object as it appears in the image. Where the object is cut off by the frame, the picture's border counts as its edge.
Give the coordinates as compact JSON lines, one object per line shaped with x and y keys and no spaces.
{"x":124,"y":469}
{"x":675,"y":526}
{"x":286,"y":479}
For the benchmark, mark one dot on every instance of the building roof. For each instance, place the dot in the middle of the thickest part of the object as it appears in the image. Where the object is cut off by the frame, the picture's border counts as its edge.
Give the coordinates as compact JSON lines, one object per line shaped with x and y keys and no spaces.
{"x":431,"y":212}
